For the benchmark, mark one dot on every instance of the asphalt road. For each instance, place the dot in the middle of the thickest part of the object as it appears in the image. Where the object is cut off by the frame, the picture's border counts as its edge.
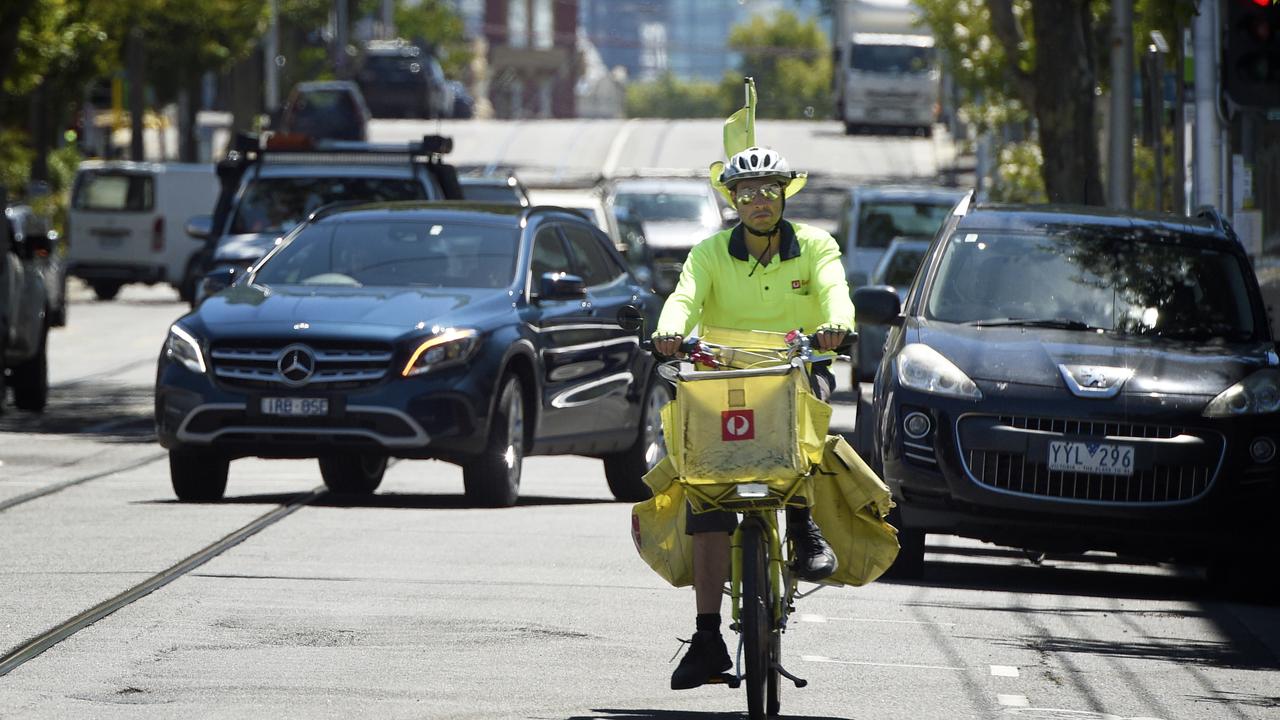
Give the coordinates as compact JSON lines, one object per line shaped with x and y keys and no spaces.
{"x":412,"y":605}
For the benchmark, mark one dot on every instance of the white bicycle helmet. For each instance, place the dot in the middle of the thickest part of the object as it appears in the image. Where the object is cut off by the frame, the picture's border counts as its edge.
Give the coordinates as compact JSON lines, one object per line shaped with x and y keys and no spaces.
{"x":756,"y":162}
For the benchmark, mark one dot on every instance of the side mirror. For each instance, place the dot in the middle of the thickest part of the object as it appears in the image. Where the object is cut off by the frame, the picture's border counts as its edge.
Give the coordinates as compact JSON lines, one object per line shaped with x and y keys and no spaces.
{"x":877,"y":305}
{"x":217,"y":280}
{"x":200,"y":227}
{"x":561,"y":286}
{"x":728,"y":216}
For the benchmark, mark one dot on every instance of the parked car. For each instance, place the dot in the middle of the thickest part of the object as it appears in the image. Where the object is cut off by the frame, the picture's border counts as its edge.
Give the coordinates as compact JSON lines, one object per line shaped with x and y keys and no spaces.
{"x":502,"y":189}
{"x":326,"y":110}
{"x":400,"y":79}
{"x":25,"y":222}
{"x":677,"y":213}
{"x":872,"y":216}
{"x":1070,"y":379}
{"x":127,"y":224}
{"x":464,"y":105}
{"x":269,"y":189}
{"x":24,"y":313}
{"x":896,"y":270}
{"x":474,"y":334}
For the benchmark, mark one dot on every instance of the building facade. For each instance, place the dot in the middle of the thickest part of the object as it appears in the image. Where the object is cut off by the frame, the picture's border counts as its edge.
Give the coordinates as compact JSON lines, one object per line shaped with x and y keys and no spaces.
{"x":531,"y":66}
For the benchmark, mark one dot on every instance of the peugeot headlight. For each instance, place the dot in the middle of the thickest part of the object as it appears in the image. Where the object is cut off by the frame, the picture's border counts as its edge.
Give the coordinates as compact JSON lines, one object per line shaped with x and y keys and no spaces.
{"x":1259,"y":393}
{"x":922,"y":368}
{"x":449,"y":347}
{"x":183,"y":347}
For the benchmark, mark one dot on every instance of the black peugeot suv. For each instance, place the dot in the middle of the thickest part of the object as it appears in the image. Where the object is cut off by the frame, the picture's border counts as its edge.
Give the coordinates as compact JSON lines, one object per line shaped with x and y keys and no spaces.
{"x":1065,"y":379}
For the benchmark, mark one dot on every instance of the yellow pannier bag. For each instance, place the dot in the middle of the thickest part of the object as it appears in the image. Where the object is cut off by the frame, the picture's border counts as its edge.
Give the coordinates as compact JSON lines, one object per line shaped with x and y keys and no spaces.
{"x":850,"y":504}
{"x":658,"y":524}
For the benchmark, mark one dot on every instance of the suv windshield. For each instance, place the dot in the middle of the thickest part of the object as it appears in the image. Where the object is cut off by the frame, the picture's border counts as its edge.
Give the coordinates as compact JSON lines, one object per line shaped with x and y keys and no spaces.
{"x":395,"y":253}
{"x":668,"y":207}
{"x":879,"y":222}
{"x":1086,"y":279}
{"x":280,"y":204}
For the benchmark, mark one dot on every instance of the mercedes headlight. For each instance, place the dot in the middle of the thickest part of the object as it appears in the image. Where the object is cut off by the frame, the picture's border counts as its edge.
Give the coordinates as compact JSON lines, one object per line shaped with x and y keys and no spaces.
{"x":183,"y":347}
{"x":449,"y":347}
{"x":922,"y":368}
{"x":1259,"y":393}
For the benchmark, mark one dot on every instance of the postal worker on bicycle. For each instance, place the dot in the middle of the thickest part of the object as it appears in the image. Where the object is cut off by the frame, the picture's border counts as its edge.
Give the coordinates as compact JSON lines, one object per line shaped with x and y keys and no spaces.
{"x":770,"y":274}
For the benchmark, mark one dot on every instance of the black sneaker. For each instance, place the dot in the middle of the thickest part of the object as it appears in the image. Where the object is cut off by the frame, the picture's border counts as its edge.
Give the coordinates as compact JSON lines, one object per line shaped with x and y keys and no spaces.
{"x":814,"y":559}
{"x":706,"y":657}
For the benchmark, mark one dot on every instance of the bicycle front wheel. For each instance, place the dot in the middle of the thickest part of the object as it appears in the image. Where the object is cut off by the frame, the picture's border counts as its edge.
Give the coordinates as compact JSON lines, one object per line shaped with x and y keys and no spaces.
{"x":756,"y":620}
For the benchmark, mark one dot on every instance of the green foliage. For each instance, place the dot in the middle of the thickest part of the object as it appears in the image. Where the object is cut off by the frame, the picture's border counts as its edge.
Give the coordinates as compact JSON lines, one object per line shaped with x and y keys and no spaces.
{"x":15,"y":160}
{"x":186,"y":38}
{"x":667,"y":97}
{"x":791,"y":63}
{"x":1018,"y":178}
{"x":975,"y":60}
{"x":1144,"y":174}
{"x":439,"y":24}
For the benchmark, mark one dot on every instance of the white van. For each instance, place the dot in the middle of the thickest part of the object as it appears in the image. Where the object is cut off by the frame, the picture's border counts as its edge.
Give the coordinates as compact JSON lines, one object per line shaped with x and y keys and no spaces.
{"x":128,"y":223}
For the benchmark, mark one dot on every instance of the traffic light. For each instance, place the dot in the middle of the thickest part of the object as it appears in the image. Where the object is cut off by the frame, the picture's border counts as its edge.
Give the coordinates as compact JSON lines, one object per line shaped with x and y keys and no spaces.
{"x":1251,"y":57}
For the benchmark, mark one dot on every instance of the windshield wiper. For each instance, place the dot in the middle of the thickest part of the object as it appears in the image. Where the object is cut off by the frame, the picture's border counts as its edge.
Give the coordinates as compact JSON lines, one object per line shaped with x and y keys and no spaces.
{"x":1061,"y":323}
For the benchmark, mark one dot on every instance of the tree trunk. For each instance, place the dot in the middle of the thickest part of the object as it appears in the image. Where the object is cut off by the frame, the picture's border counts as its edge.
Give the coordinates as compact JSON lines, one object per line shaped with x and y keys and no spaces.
{"x":1064,"y":78}
{"x":135,"y":62}
{"x":11,"y":16}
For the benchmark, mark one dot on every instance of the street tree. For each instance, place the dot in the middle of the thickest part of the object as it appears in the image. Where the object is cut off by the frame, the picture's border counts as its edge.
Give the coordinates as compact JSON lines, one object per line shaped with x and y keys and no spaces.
{"x":669,"y":97}
{"x":790,"y":60}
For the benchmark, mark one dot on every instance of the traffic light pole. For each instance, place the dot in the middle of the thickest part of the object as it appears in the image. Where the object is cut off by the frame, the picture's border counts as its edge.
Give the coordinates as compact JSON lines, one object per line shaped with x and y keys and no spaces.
{"x":1207,"y":149}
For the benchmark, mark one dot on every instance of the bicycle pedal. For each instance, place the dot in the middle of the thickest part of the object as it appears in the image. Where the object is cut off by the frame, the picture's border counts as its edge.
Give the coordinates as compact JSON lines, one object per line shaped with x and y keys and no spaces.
{"x":724,"y":679}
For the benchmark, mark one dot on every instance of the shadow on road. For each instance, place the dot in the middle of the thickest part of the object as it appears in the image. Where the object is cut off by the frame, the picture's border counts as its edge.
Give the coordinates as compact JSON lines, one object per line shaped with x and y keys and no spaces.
{"x":611,"y":714}
{"x":394,"y":501}
{"x":99,"y":409}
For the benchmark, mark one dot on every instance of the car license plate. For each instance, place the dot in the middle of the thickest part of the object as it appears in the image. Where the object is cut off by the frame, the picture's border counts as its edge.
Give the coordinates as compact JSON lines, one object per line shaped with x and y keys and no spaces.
{"x":295,"y":407}
{"x":1087,"y":457}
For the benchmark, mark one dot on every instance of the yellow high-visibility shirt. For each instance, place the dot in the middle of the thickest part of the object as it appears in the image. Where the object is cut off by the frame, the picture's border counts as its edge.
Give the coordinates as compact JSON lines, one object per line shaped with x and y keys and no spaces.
{"x":722,"y":285}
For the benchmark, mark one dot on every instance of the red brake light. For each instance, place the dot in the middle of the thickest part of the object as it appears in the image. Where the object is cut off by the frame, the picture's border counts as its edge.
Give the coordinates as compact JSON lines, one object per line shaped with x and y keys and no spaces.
{"x":157,"y":234}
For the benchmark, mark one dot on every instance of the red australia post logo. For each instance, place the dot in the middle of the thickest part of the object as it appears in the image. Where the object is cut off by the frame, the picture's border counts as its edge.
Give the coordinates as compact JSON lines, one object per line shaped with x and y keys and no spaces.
{"x":737,"y":425}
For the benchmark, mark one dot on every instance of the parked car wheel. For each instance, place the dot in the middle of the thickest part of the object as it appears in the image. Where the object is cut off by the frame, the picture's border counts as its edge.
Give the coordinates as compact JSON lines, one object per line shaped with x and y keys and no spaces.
{"x":31,"y":378}
{"x":198,"y":476}
{"x":356,"y":474}
{"x":106,"y":289}
{"x":625,"y":470}
{"x":492,"y":478}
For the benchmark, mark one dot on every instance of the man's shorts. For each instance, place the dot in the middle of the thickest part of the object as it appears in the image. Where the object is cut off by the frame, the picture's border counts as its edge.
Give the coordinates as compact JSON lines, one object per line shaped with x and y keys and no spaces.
{"x":823,"y":384}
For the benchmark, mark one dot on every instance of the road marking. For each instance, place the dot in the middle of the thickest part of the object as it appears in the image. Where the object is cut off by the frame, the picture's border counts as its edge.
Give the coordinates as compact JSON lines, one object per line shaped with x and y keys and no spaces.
{"x":821,"y":659}
{"x":1013,"y":700}
{"x":1004,"y":671}
{"x":616,"y":146}
{"x":814,"y":618}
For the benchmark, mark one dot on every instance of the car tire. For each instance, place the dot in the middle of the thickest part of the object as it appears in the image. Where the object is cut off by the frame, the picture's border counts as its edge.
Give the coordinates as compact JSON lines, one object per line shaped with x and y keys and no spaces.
{"x":492,"y":478}
{"x":197,"y":476}
{"x":30,"y":379}
{"x":353,"y":474}
{"x":106,"y":289}
{"x":910,"y":562}
{"x":625,"y":470}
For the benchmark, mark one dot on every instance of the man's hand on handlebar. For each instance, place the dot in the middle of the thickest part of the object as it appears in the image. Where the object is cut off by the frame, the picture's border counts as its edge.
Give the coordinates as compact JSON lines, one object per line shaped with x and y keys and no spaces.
{"x":667,"y":345}
{"x":830,"y":338}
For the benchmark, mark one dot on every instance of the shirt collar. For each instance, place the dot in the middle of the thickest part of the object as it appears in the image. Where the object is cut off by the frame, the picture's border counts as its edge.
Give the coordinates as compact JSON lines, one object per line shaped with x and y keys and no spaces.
{"x":789,"y":245}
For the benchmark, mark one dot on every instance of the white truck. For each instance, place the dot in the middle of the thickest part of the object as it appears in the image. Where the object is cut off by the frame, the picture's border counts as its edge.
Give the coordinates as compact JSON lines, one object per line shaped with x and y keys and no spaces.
{"x":886,"y":73}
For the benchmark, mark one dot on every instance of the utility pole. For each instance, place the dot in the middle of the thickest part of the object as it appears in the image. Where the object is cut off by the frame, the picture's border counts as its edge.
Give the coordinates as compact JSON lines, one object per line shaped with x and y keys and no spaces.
{"x":340,"y":32}
{"x":1120,"y":145}
{"x":388,"y":19}
{"x":1207,"y":149}
{"x":270,"y":51}
{"x":134,"y":62}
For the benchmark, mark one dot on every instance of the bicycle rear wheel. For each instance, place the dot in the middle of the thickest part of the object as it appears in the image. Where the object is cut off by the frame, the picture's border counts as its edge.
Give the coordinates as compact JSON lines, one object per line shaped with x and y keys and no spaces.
{"x":756,"y":622}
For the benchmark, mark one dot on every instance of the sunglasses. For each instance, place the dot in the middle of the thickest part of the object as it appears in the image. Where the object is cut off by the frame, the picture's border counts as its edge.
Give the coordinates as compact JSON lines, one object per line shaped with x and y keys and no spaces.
{"x":748,"y":195}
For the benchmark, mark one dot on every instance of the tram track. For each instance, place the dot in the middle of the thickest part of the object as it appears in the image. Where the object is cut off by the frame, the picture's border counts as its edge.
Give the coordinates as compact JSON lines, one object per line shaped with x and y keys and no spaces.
{"x":35,"y":646}
{"x":63,"y":485}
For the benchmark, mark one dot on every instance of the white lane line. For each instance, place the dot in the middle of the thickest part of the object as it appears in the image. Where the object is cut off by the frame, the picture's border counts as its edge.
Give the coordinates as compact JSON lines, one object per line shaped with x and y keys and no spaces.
{"x":616,"y":146}
{"x":813,"y":618}
{"x":1004,"y":671}
{"x":821,"y":659}
{"x":1013,"y":700}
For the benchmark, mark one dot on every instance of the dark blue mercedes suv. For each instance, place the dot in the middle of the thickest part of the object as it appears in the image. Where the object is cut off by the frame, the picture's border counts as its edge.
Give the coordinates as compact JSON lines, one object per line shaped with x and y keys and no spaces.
{"x":474,"y":334}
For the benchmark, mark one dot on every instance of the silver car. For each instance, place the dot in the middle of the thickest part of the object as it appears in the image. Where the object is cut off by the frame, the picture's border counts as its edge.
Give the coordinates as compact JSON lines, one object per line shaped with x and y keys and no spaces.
{"x":872,"y":216}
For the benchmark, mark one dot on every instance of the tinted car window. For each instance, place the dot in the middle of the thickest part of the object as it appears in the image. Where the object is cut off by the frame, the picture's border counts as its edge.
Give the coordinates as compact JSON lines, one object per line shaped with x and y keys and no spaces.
{"x":1114,"y":283}
{"x":492,"y":192}
{"x":590,"y":259}
{"x":901,"y":268}
{"x":548,"y":254}
{"x":280,"y":204}
{"x":880,"y":222}
{"x":114,"y":191}
{"x":661,"y":207}
{"x":421,"y":253}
